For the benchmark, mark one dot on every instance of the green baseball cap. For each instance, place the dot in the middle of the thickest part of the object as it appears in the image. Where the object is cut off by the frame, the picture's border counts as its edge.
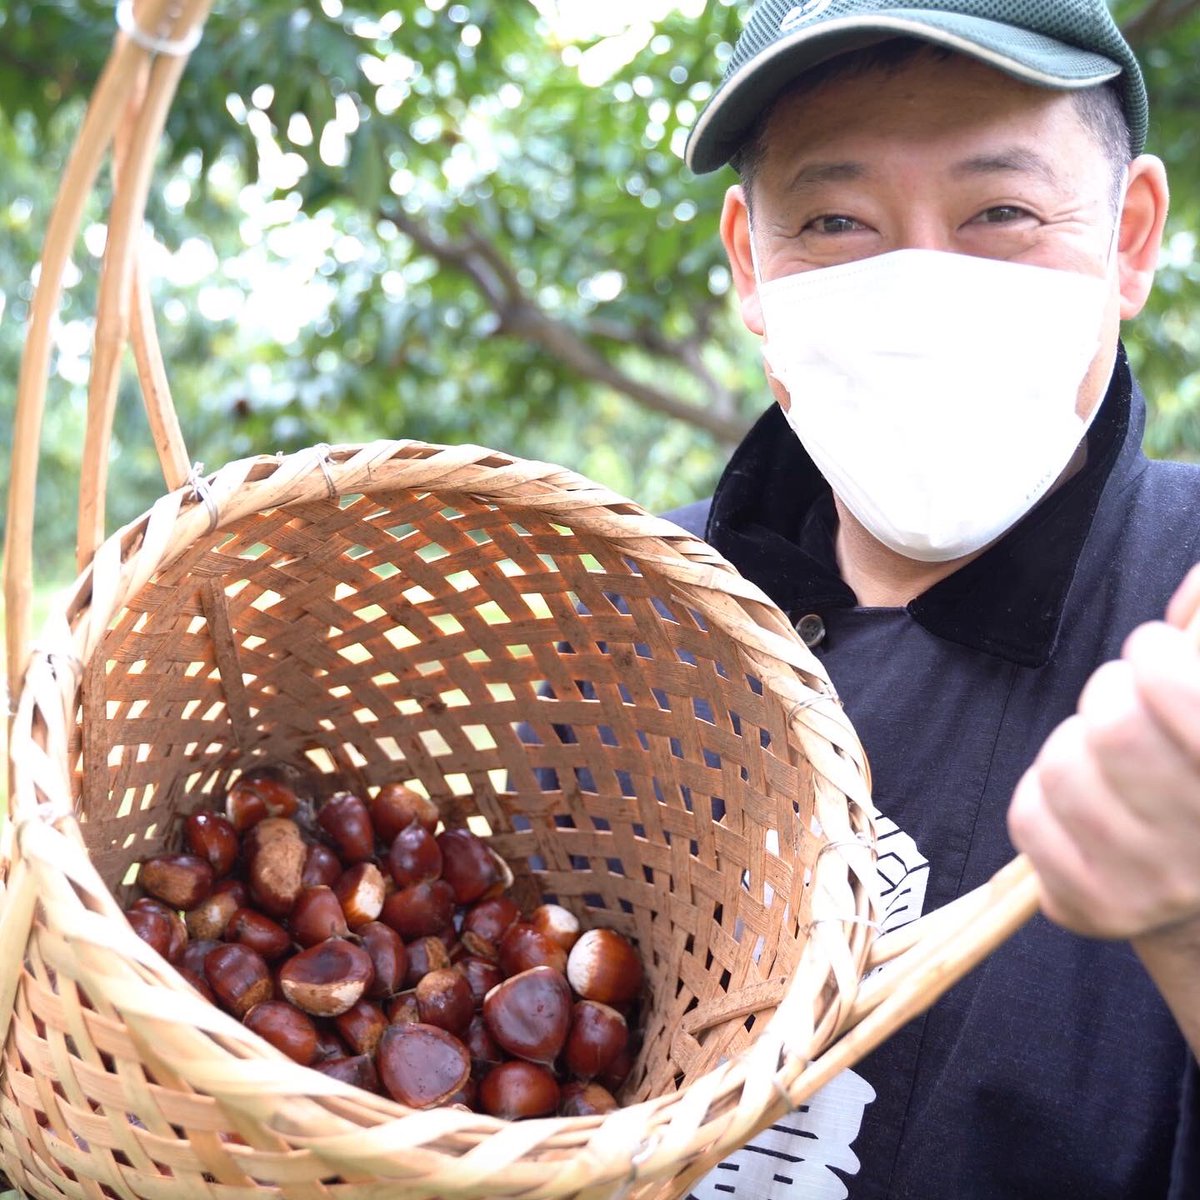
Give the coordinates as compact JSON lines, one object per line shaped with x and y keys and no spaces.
{"x":1064,"y":44}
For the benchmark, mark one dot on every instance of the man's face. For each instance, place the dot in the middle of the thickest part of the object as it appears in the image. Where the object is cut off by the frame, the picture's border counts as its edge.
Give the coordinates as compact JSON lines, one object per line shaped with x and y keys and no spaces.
{"x":941,"y":154}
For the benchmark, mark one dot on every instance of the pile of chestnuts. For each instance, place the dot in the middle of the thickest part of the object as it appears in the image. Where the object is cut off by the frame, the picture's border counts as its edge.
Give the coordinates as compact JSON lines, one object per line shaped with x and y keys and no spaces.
{"x":366,"y":939}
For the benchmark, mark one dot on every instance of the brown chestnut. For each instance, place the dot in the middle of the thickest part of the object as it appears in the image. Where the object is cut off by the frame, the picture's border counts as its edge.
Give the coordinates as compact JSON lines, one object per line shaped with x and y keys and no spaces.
{"x":194,"y":954}
{"x":210,"y":917}
{"x":360,"y":891}
{"x":421,"y":1065}
{"x":529,"y":1014}
{"x":251,"y":928}
{"x":198,"y":982}
{"x":389,"y":957}
{"x":212,"y":837}
{"x":286,"y":1028}
{"x":604,"y":966}
{"x":395,"y":806}
{"x":481,"y":975}
{"x":490,"y":919}
{"x":402,"y":1009}
{"x":179,"y":880}
{"x":557,"y":923}
{"x":579,"y":1099}
{"x":420,"y":911}
{"x":425,"y":954}
{"x":179,"y":930}
{"x":471,"y":867}
{"x":361,"y":1026}
{"x":238,"y":976}
{"x":346,"y":821}
{"x":151,"y":926}
{"x":328,"y":978}
{"x":444,"y":999}
{"x":276,"y":866}
{"x":317,"y":915}
{"x":517,"y":1090}
{"x":356,"y":1069}
{"x":523,"y":946}
{"x":322,"y":866}
{"x":481,"y":1045}
{"x":597,"y":1036}
{"x":414,"y":856}
{"x":257,"y":793}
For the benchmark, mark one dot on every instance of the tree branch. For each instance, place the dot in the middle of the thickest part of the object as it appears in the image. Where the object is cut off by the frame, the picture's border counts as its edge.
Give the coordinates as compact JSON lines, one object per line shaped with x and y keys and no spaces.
{"x":478,"y":259}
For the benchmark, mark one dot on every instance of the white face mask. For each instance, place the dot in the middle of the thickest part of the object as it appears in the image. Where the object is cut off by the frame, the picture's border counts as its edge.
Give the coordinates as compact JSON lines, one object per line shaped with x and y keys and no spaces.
{"x":935,"y":391}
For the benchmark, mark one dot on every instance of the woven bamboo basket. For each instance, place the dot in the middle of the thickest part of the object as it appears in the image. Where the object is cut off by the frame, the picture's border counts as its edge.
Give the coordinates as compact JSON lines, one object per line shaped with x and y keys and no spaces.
{"x":636,"y":727}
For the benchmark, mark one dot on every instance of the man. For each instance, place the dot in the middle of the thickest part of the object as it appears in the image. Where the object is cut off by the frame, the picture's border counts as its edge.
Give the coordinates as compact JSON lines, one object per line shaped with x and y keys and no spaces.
{"x":943,"y":216}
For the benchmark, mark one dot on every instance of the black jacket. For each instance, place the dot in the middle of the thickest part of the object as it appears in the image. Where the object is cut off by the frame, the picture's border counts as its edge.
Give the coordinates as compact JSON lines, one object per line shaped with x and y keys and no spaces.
{"x":1054,"y":1070}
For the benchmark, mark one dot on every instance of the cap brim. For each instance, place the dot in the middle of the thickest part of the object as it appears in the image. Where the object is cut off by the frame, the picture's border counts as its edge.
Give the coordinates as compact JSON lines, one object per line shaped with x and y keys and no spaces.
{"x":744,"y":95}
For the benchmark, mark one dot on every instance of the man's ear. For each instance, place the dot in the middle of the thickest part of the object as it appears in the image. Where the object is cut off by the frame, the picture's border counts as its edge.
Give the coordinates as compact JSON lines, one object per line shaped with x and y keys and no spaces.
{"x":735,"y":236}
{"x":1142,"y":221}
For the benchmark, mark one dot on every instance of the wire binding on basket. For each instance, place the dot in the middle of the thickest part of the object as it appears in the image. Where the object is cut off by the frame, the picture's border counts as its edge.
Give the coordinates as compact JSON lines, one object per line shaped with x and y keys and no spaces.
{"x":322,"y":451}
{"x":203,"y":492}
{"x":175,"y":47}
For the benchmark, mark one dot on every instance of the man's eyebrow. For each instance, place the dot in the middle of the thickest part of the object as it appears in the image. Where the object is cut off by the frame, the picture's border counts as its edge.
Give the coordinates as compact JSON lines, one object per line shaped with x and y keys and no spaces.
{"x":1016,"y":160}
{"x":815,"y":173}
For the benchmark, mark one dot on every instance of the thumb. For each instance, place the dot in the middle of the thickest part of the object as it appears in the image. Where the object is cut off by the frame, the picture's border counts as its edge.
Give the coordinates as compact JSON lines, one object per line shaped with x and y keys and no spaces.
{"x":1184,"y":610}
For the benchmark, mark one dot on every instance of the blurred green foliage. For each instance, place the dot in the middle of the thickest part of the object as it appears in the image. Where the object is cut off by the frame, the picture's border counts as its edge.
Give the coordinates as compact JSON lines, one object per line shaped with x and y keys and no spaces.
{"x":452,"y":220}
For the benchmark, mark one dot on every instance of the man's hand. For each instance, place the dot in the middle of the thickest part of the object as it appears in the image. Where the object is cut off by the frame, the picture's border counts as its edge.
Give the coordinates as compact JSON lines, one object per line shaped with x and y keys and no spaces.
{"x":1109,"y":812}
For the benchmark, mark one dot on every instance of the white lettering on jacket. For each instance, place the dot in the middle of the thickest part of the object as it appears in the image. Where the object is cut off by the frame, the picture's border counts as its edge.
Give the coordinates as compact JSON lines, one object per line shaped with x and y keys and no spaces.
{"x":796,"y":1158}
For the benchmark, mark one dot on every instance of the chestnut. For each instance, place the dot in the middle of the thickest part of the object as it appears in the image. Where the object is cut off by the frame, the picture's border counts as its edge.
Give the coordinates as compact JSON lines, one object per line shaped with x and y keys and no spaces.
{"x":481,"y":975}
{"x":604,"y":966}
{"x":598,"y":1034}
{"x":422,"y":910}
{"x":356,"y":1069}
{"x":422,"y":1066}
{"x":516,"y":1090}
{"x":361,"y":1026}
{"x":179,"y":880}
{"x":490,"y":919}
{"x":360,"y":891}
{"x":322,"y":866}
{"x":530,"y":1014}
{"x":253,"y":929}
{"x":329,"y":1043}
{"x":286,"y":1028}
{"x":444,"y":999}
{"x":212,"y":837}
{"x":151,"y":926}
{"x":395,"y":806}
{"x":346,"y":821}
{"x":471,"y":867}
{"x":557,"y":923}
{"x":424,"y":955}
{"x":198,"y":982}
{"x":194,"y":954}
{"x":258,"y":793}
{"x":317,"y":915}
{"x":402,"y":1009}
{"x":328,"y":978}
{"x":389,"y":957}
{"x":238,"y":976}
{"x":414,"y":856}
{"x":210,"y":917}
{"x":276,"y":866}
{"x":579,"y":1099}
{"x":179,"y":931}
{"x":481,"y":1045}
{"x":523,"y":946}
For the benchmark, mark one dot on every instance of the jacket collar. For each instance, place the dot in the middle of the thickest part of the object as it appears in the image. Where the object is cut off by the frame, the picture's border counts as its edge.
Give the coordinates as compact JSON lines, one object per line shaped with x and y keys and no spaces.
{"x":772,"y":516}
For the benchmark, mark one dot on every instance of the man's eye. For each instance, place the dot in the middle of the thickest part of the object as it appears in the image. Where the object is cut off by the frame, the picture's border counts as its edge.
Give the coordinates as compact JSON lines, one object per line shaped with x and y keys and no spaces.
{"x":833,"y":223}
{"x":1001,"y":214}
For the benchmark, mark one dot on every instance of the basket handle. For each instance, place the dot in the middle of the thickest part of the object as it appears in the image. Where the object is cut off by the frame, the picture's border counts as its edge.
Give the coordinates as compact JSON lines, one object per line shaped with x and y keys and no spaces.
{"x":127,"y":112}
